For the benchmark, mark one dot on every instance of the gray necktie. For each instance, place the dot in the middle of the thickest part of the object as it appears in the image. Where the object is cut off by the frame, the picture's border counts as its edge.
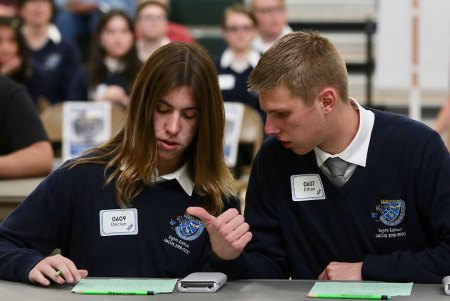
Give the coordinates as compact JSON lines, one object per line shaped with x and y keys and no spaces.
{"x":337,"y":168}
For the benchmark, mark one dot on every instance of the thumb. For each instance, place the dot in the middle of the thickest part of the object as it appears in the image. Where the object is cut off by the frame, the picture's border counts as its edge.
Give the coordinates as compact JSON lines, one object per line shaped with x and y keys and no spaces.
{"x":201,"y":213}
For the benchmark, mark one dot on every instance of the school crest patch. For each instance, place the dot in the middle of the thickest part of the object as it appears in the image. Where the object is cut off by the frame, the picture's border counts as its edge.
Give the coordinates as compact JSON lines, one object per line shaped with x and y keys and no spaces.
{"x":187,"y":226}
{"x":389,"y":212}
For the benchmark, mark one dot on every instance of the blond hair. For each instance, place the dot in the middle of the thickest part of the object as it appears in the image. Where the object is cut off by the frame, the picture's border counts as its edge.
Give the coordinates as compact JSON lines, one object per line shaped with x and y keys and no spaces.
{"x":304,"y":62}
{"x":132,"y":154}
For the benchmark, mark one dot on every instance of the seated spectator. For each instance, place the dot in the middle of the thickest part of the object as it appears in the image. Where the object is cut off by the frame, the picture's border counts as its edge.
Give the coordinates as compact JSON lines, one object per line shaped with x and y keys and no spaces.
{"x":237,"y":61}
{"x":150,"y":173}
{"x":113,"y":64}
{"x":24,"y":147}
{"x":56,"y":57}
{"x":234,"y":66}
{"x":271,"y":16}
{"x":175,"y":32}
{"x":77,"y":19}
{"x":15,"y":58}
{"x":7,"y":8}
{"x":14,"y":54}
{"x":151,"y":24}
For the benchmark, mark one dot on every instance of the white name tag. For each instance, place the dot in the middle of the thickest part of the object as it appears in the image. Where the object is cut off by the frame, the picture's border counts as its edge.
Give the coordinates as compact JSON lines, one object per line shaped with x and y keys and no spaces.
{"x":226,"y":81}
{"x":307,"y":187}
{"x":118,"y":222}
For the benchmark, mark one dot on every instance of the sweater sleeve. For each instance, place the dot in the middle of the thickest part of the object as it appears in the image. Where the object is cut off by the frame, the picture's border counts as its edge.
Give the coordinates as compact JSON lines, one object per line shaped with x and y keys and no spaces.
{"x":33,"y":230}
{"x":265,"y":255}
{"x":432,"y":180}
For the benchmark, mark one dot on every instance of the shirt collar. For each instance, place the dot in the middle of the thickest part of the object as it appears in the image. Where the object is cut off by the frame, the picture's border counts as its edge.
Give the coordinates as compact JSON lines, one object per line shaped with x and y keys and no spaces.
{"x":182,"y":176}
{"x":53,"y":34}
{"x":142,"y":54}
{"x":228,"y":59}
{"x":356,"y":151}
{"x":114,"y":65}
{"x":262,"y":46}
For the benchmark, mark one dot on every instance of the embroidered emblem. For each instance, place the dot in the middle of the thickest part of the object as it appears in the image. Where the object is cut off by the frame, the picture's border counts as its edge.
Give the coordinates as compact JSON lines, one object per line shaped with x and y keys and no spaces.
{"x":389,"y":212}
{"x":52,"y":61}
{"x":187,"y":227}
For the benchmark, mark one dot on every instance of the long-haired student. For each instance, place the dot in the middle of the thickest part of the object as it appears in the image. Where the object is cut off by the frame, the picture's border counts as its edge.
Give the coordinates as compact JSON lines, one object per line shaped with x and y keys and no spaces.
{"x":120,"y":210}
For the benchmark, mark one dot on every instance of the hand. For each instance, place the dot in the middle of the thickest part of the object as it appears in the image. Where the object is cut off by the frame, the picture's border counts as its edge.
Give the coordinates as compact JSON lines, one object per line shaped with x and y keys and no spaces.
{"x":115,"y":94}
{"x":228,"y":232}
{"x":342,"y":271}
{"x":47,"y":267}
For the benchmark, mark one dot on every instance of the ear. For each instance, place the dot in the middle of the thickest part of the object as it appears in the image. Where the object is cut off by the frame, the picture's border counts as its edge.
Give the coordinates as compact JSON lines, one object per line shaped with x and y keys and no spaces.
{"x":328,"y":99}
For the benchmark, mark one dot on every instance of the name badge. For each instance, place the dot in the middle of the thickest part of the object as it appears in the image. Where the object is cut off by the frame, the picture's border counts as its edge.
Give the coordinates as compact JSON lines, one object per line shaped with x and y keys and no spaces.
{"x":226,"y":81}
{"x":307,"y":187}
{"x":118,"y":222}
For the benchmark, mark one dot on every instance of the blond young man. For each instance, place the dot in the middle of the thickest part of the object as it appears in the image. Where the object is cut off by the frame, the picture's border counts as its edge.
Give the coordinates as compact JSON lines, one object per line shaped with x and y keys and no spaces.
{"x":339,"y":192}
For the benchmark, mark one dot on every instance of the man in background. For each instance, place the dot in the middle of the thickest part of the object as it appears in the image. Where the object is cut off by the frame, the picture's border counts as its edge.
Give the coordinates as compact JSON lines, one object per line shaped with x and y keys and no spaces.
{"x":24,"y":148}
{"x":272,"y":21}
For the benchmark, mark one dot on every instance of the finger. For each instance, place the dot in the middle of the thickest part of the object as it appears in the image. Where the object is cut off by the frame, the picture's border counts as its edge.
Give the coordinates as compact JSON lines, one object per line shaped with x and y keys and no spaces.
{"x":70,"y":272}
{"x":243,"y":241}
{"x":322,"y":275}
{"x":201,"y":214}
{"x":37,"y":277}
{"x":238,"y":232}
{"x":83,"y":274}
{"x":50,"y":273}
{"x":227,"y":216}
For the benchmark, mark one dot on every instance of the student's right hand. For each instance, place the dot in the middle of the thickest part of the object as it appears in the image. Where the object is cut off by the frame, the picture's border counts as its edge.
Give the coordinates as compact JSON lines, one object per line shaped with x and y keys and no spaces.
{"x":228,"y":233}
{"x":47,"y":267}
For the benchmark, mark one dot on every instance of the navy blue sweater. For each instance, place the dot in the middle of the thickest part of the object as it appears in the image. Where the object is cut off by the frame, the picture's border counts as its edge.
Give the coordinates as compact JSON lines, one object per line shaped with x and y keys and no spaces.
{"x":407,"y":175}
{"x":64,"y":212}
{"x":239,"y":92}
{"x":56,"y":65}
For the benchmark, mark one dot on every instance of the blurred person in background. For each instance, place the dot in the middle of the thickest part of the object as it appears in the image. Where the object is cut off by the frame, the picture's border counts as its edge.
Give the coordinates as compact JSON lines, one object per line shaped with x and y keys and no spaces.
{"x":8,"y":8}
{"x":15,"y":58}
{"x":113,"y":63}
{"x":151,"y":24}
{"x":24,"y":148}
{"x":77,"y":19}
{"x":176,"y":32}
{"x":272,"y":20}
{"x":234,"y":66}
{"x":14,"y":54}
{"x":55,"y":56}
{"x":238,"y":59}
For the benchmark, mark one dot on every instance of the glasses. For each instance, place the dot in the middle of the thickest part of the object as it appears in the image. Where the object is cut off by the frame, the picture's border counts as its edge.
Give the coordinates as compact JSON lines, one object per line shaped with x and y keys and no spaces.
{"x":233,"y":28}
{"x":152,"y":18}
{"x":269,"y":10}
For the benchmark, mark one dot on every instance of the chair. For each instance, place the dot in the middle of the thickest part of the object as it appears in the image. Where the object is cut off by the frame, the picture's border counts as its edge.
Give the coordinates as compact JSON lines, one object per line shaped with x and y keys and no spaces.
{"x":251,"y":133}
{"x":51,"y":118}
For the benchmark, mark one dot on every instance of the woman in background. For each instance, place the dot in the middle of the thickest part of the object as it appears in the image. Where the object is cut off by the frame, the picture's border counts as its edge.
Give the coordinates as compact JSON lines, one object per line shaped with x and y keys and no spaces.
{"x":113,"y":63}
{"x":14,"y":55}
{"x":237,"y":61}
{"x":54,"y":56}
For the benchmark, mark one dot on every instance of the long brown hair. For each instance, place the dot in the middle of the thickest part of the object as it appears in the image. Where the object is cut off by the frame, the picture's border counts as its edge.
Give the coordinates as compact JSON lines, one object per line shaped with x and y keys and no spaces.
{"x":132,"y":154}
